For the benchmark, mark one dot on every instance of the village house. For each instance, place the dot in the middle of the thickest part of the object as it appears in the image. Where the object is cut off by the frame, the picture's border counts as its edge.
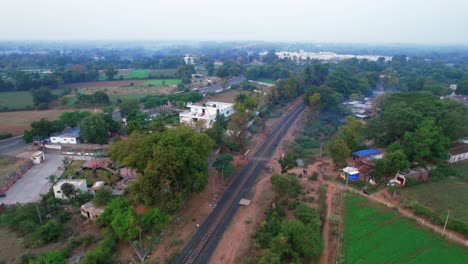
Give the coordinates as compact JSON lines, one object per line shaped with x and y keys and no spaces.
{"x":458,"y":153}
{"x":79,"y":184}
{"x":90,"y":211}
{"x":205,"y":112}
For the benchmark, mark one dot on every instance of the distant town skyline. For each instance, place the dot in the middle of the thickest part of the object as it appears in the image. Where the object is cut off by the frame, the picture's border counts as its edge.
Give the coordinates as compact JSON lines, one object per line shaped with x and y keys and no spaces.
{"x":340,"y":21}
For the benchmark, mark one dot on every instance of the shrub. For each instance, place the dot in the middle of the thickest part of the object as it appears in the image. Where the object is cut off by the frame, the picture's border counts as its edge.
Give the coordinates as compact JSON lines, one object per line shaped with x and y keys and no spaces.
{"x":64,"y":216}
{"x":306,"y":214}
{"x":102,"y":197}
{"x":50,"y":231}
{"x":5,"y":135}
{"x":26,"y":258}
{"x":56,"y":257}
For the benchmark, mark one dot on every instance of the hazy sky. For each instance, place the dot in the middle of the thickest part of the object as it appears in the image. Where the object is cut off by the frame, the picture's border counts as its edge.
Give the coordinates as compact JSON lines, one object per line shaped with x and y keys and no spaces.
{"x":372,"y":21}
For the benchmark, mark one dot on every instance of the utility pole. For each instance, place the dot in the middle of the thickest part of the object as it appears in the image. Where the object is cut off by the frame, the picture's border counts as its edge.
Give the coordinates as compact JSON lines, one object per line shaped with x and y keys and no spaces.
{"x":38,"y":214}
{"x":347,"y":177}
{"x":446,"y":220}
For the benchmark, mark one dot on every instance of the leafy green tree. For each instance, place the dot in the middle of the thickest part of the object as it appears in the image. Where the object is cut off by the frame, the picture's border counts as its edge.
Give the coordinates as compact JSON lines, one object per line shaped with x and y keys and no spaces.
{"x":339,"y":151}
{"x":124,"y":224}
{"x":42,"y":97}
{"x":68,"y":190}
{"x":27,"y":136}
{"x":73,"y":118}
{"x":462,"y":87}
{"x":302,"y":240}
{"x":102,"y":197}
{"x":172,"y":164}
{"x":223,"y":164}
{"x":129,"y":106}
{"x":42,"y":128}
{"x":288,"y":162}
{"x":110,"y":72}
{"x":93,"y":129}
{"x":285,"y":185}
{"x":390,"y":164}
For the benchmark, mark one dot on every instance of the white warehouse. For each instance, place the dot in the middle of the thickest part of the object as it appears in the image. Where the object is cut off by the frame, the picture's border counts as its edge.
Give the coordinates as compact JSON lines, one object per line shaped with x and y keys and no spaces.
{"x":69,"y":138}
{"x":205,"y":112}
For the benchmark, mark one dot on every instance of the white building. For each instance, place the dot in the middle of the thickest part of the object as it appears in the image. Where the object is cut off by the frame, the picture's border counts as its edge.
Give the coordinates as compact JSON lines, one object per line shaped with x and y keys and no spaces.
{"x":38,"y":157}
{"x":190,"y":59}
{"x":458,"y":153}
{"x":205,"y":112}
{"x":69,"y":138}
{"x":79,"y":184}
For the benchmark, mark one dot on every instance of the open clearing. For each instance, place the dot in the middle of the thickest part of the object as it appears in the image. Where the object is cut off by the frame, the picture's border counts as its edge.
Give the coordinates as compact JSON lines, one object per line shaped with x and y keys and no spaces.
{"x":162,"y":82}
{"x":376,"y":234}
{"x":17,"y":122}
{"x":16,"y":100}
{"x":133,"y":74}
{"x":441,"y":196}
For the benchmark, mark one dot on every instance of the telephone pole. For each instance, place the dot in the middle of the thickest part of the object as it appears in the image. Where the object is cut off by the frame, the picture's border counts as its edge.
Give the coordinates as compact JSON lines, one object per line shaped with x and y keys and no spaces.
{"x":446,"y":221}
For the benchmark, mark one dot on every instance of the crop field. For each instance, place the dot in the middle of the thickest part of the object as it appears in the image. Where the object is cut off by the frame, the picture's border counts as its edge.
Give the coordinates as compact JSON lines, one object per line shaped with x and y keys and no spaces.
{"x":133,"y":74}
{"x":161,"y":82}
{"x":16,"y":100}
{"x":440,"y":196}
{"x":265,"y":80}
{"x":376,"y":234}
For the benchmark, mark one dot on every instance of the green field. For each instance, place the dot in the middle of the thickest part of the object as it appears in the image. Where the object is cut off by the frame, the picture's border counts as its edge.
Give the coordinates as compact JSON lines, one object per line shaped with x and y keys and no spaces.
{"x":265,"y":80}
{"x":375,"y":234}
{"x":134,"y":74}
{"x":161,"y":82}
{"x":19,"y":100}
{"x":440,"y":196}
{"x":16,"y":100}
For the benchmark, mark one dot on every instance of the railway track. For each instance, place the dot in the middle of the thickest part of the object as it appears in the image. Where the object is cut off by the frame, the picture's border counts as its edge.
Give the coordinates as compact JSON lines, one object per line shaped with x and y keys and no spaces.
{"x":205,"y":240}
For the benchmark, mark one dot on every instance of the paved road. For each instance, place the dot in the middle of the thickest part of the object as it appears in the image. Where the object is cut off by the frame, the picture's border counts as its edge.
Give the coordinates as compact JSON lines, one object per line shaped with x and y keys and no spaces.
{"x":34,"y":182}
{"x":12,"y":144}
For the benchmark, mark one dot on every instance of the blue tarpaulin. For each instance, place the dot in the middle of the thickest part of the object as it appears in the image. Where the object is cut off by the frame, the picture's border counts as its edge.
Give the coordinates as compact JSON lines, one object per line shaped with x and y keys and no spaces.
{"x":366,"y":152}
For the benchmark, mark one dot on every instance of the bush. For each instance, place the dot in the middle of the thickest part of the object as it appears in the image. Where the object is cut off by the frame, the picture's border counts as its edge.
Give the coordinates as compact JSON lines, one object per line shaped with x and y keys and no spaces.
{"x":50,"y":231}
{"x":102,"y":197}
{"x":64,"y":216}
{"x":314,"y":176}
{"x":306,"y":214}
{"x":26,"y":258}
{"x":5,"y":135}
{"x":55,"y":257}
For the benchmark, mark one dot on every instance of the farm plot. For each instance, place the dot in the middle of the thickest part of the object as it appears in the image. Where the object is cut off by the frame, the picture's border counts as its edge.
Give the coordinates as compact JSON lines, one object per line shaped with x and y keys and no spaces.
{"x":440,"y":196}
{"x":161,"y":82}
{"x":375,"y":234}
{"x":127,"y":75}
{"x":16,"y":100}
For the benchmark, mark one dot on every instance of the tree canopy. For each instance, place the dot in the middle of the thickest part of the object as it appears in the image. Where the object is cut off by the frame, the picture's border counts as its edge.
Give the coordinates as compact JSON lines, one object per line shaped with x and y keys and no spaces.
{"x":172,"y":164}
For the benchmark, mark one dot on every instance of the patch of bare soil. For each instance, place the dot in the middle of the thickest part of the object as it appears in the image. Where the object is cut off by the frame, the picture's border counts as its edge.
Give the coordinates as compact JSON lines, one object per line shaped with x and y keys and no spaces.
{"x":10,"y":164}
{"x":17,"y":122}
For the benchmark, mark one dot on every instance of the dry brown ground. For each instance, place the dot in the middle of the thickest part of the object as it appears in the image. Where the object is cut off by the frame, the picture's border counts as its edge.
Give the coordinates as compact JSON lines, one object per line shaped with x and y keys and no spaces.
{"x":17,"y":122}
{"x":10,"y":164}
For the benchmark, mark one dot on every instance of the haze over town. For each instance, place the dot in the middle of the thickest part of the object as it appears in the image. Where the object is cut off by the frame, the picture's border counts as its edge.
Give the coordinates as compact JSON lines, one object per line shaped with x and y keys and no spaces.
{"x":350,"y":21}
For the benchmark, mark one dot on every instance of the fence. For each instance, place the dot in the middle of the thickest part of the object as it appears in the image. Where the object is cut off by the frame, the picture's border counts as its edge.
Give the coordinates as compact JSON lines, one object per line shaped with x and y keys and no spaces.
{"x":7,"y":181}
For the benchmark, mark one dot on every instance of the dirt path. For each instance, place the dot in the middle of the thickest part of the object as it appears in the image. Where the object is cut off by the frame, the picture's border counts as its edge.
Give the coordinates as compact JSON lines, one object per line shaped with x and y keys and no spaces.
{"x":451,"y":235}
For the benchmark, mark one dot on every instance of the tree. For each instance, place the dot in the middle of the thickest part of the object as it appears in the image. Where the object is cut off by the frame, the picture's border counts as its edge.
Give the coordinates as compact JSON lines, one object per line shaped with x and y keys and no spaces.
{"x":238,"y":123}
{"x":55,"y":256}
{"x":27,"y":136}
{"x":390,"y":164}
{"x":129,"y":106}
{"x":102,"y":197}
{"x":93,"y":129}
{"x":285,"y":186}
{"x":42,"y":97}
{"x":462,"y":87}
{"x":42,"y":128}
{"x":288,"y":162}
{"x":68,"y":189}
{"x":172,"y":164}
{"x":223,"y":164}
{"x":110,"y":72}
{"x":73,"y":118}
{"x":339,"y":151}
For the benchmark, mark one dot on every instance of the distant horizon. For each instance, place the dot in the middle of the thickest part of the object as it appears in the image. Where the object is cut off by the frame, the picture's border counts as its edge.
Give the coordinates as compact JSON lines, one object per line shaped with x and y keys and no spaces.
{"x":418,"y":22}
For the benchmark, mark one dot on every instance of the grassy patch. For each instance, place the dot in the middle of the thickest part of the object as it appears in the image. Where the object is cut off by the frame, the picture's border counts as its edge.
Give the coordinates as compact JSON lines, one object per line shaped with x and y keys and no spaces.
{"x":16,"y":100}
{"x":161,"y":82}
{"x":138,"y":74}
{"x":266,"y":80}
{"x":374,"y":234}
{"x":441,"y":196}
